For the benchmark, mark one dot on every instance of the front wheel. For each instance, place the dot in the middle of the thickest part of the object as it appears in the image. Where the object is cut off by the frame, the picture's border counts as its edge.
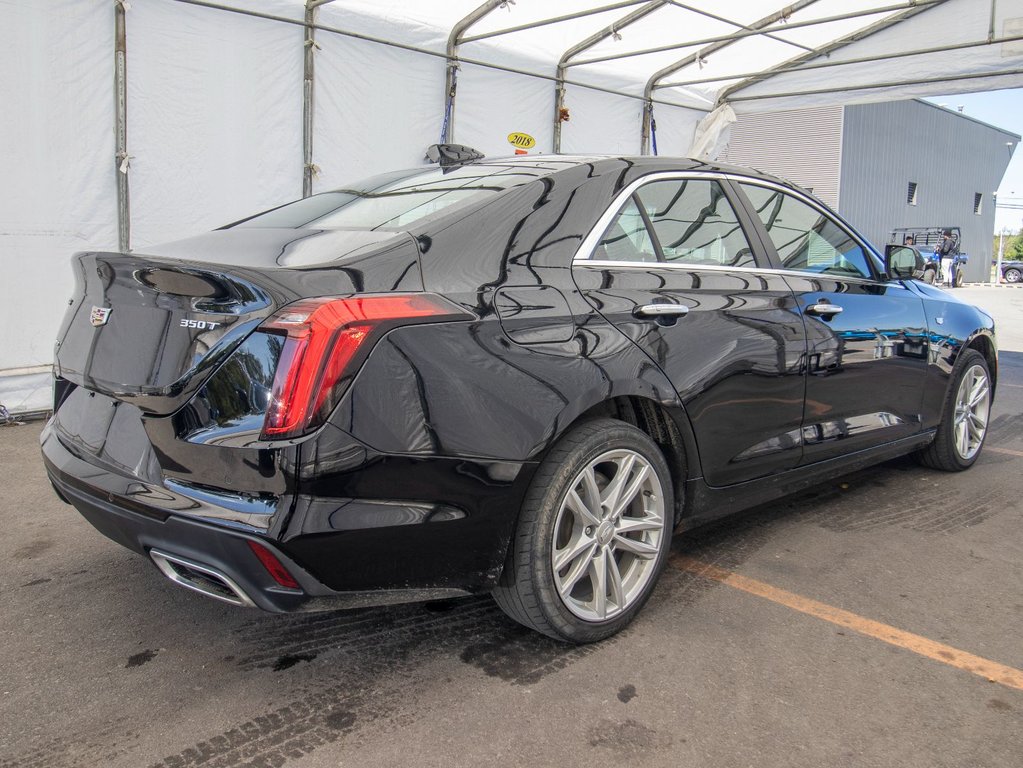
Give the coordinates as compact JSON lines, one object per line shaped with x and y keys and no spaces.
{"x":1013,"y":275}
{"x":929,"y":276}
{"x":964,"y":421}
{"x":593,"y":535}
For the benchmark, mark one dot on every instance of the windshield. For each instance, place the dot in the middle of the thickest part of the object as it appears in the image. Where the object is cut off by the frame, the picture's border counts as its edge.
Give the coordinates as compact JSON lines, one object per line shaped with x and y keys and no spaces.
{"x":398,"y":200}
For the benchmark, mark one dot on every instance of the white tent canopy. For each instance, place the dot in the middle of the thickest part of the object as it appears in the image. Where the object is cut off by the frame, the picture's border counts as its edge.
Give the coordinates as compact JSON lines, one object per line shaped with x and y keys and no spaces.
{"x":233,"y":106}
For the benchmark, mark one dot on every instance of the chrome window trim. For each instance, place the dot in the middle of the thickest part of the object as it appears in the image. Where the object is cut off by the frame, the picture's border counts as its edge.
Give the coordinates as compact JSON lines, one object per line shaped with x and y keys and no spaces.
{"x":592,"y":239}
{"x":648,"y":265}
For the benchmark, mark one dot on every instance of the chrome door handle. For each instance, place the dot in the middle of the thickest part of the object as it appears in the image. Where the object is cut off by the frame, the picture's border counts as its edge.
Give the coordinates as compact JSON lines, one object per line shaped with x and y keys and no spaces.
{"x":661,"y":310}
{"x":823,"y":308}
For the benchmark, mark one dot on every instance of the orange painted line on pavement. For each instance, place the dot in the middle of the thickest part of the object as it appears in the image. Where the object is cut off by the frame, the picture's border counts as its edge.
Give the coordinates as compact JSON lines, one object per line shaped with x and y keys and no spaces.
{"x":946,"y":654}
{"x":1006,"y":451}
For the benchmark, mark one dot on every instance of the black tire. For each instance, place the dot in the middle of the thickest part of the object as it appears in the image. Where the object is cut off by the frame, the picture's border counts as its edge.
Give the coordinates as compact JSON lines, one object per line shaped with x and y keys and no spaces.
{"x":1013,"y":275}
{"x":929,"y":276}
{"x":529,"y":587}
{"x":946,"y":452}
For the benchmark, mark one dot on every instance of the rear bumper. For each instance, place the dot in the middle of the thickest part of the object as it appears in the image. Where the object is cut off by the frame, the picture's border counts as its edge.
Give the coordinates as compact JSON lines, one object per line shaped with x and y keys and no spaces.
{"x":104,"y":499}
{"x":342,"y":552}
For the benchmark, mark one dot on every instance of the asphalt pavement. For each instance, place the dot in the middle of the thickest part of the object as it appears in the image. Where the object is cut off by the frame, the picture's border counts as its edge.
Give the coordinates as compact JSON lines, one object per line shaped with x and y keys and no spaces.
{"x":871,"y":621}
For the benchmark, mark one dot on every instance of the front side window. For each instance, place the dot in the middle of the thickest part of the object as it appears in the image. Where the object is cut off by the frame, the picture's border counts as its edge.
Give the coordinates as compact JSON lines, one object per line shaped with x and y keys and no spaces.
{"x":806,"y":239}
{"x":695,"y":224}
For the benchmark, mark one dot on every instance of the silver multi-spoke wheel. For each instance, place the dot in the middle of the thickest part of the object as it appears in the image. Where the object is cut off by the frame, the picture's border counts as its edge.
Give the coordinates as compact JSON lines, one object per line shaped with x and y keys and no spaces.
{"x":607,"y":535}
{"x":593,"y":534}
{"x":959,"y":437}
{"x":972,"y":404}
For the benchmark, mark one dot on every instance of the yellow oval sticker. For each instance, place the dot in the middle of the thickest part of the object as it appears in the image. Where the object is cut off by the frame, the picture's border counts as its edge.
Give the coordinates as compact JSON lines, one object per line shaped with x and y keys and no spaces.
{"x":521,"y":140}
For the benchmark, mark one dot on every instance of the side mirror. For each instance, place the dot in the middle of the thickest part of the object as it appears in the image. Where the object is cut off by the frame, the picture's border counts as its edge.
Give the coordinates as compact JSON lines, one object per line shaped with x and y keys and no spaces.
{"x":903,"y":261}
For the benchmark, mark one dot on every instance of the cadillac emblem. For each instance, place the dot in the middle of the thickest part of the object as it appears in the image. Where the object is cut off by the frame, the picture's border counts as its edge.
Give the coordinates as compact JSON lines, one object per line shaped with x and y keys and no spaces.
{"x":99,"y":315}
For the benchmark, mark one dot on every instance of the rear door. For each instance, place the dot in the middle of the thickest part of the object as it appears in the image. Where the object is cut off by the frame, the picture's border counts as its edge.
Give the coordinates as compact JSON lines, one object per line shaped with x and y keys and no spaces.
{"x":671,"y":265}
{"x":866,"y":335}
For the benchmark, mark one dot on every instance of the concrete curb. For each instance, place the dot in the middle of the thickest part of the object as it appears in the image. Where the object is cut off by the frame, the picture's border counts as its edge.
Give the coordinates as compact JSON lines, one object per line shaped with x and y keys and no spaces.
{"x":992,"y":285}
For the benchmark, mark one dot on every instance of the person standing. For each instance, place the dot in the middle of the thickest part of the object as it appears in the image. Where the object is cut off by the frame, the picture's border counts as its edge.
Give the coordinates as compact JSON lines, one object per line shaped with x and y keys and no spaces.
{"x":945,"y":251}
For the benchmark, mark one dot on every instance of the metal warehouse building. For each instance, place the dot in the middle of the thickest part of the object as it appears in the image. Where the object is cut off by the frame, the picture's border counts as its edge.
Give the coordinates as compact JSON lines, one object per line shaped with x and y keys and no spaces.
{"x":888,"y":165}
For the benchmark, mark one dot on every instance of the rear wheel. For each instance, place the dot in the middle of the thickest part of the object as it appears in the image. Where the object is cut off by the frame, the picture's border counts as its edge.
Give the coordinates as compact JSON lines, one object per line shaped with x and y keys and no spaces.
{"x":593,"y":535}
{"x":1013,"y":275}
{"x":964,"y":421}
{"x":929,"y":276}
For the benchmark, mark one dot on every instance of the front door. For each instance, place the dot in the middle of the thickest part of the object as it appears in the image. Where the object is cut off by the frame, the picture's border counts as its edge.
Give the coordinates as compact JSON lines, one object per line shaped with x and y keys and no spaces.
{"x":866,"y":335}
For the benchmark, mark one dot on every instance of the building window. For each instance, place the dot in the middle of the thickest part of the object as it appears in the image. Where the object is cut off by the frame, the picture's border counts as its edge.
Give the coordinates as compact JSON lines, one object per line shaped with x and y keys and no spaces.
{"x":978,"y":201}
{"x":911,"y":197}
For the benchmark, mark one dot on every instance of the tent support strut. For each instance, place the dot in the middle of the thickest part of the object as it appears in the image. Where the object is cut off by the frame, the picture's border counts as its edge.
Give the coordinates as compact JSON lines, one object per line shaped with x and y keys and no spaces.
{"x":460,"y":27}
{"x":584,"y":45}
{"x":755,"y":28}
{"x":889,"y":84}
{"x":121,"y":128}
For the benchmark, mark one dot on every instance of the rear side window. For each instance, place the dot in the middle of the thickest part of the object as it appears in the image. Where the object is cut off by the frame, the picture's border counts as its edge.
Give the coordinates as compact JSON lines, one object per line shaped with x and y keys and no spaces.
{"x":627,"y":239}
{"x":806,"y":239}
{"x":694,"y":223}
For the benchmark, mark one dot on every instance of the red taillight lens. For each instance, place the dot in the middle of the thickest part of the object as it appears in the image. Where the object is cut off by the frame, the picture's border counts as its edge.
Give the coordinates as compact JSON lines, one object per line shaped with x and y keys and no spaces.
{"x":273,"y":566}
{"x":323,"y":337}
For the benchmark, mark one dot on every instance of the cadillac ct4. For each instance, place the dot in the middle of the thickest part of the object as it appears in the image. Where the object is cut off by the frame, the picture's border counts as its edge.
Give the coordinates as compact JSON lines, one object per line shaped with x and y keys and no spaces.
{"x":516,"y":376}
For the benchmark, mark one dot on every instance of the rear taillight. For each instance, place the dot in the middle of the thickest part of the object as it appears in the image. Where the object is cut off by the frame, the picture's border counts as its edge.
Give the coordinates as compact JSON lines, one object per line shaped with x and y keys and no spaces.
{"x":325,"y":341}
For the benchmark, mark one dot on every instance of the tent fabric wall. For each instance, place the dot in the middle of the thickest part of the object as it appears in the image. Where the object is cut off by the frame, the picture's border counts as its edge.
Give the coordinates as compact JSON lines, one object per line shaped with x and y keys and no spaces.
{"x":600,"y":122}
{"x":353,"y":140}
{"x":58,"y":192}
{"x":493,"y":104}
{"x":214,"y":117}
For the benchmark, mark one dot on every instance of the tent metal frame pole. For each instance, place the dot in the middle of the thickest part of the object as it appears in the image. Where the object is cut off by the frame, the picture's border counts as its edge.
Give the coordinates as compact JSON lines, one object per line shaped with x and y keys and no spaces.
{"x":308,"y":92}
{"x":451,"y":70}
{"x":121,"y":128}
{"x":742,"y":33}
{"x":723,"y":20}
{"x":421,"y":50}
{"x":651,"y":83}
{"x":552,"y":20}
{"x":584,"y":45}
{"x":889,"y":84}
{"x":843,"y":62}
{"x":826,"y":49}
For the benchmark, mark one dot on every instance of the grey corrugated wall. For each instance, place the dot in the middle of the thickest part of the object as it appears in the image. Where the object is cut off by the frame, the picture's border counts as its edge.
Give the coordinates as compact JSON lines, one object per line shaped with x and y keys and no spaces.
{"x":802,"y":145}
{"x":860,"y":159}
{"x":950,"y":157}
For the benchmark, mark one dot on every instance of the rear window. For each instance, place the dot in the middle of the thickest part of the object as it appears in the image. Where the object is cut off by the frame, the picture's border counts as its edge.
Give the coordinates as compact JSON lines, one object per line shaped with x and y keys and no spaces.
{"x":398,"y":200}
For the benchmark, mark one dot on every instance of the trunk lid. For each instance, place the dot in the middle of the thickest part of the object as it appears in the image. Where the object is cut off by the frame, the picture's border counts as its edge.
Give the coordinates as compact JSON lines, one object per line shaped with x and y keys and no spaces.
{"x":150,"y":329}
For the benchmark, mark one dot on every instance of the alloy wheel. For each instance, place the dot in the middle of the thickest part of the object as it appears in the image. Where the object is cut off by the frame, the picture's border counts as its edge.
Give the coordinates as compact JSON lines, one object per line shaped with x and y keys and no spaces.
{"x":607,"y":535}
{"x":973,"y":402}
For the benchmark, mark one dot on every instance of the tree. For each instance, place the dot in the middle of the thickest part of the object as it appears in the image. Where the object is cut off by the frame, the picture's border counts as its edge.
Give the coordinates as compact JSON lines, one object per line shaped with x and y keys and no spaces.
{"x":1015,"y":251}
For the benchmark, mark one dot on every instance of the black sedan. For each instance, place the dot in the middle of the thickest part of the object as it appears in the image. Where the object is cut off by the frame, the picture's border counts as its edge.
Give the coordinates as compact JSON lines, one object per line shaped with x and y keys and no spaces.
{"x":1012,"y":271}
{"x":514,"y":376}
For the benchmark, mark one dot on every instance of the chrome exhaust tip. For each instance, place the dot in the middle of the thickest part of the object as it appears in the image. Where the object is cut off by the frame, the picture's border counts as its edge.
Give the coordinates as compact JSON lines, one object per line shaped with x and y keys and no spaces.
{"x":201,"y":578}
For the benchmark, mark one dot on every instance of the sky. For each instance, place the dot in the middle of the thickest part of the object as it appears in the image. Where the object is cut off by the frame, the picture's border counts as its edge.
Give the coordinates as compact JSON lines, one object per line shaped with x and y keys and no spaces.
{"x":1003,"y":109}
